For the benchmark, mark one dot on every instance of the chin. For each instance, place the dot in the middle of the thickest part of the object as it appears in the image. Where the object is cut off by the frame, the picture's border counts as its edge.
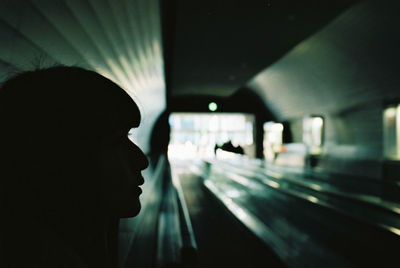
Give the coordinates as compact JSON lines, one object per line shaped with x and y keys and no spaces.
{"x":131,"y":212}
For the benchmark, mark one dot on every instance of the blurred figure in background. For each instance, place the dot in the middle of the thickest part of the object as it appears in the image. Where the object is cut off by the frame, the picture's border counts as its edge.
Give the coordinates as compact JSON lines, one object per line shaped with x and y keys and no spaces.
{"x":229,"y":147}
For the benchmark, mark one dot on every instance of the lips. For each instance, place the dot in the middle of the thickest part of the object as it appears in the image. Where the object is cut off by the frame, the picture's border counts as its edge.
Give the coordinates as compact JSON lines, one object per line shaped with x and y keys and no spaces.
{"x":137,"y":190}
{"x":137,"y":175}
{"x":141,"y":180}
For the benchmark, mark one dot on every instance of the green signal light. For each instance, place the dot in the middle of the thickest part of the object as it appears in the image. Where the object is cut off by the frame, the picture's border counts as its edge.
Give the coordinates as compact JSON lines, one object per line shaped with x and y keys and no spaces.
{"x":212,"y":106}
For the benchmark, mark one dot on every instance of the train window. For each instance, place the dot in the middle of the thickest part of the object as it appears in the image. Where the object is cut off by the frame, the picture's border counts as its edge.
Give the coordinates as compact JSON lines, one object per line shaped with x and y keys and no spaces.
{"x":273,"y":139}
{"x":196,"y":135}
{"x":313,"y":134}
{"x":391,"y":132}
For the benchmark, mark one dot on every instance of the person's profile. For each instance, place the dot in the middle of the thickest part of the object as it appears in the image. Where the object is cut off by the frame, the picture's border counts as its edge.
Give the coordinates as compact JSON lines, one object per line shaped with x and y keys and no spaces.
{"x":68,"y":170}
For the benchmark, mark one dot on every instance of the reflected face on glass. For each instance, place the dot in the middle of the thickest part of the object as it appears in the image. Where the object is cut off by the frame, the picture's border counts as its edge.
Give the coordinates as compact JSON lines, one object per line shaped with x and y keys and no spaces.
{"x":122,"y":163}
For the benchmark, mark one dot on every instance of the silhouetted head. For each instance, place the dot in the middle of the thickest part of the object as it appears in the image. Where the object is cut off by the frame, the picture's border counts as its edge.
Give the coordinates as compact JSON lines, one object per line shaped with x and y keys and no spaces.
{"x":65,"y":147}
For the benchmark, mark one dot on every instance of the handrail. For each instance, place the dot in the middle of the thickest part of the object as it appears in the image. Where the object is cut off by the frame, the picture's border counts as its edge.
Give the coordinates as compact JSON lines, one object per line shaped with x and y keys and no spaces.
{"x":315,"y":173}
{"x":176,"y":241}
{"x":279,"y":244}
{"x":169,"y":240}
{"x":366,"y":199}
{"x":189,"y":245}
{"x":276,"y":185}
{"x":190,"y":240}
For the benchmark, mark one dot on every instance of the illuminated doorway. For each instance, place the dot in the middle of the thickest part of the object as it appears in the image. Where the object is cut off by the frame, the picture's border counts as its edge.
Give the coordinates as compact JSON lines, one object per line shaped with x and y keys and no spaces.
{"x":195,"y":135}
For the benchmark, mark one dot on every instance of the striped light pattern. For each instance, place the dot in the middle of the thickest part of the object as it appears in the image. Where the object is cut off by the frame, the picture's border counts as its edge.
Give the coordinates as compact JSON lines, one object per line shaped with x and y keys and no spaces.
{"x":119,"y":39}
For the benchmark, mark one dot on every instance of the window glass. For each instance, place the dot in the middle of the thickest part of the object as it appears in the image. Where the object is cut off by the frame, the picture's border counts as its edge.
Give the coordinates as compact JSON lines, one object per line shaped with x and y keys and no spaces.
{"x":197,"y":134}
{"x":391,"y":132}
{"x":312,"y":133}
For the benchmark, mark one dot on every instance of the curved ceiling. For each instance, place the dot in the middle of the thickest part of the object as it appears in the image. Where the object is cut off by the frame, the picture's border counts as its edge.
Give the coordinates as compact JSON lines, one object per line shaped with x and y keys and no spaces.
{"x":119,"y":39}
{"x":349,"y":63}
{"x":219,"y":45}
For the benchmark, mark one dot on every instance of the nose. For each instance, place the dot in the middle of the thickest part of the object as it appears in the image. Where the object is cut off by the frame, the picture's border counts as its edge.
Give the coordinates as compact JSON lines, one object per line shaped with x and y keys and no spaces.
{"x":143,"y":162}
{"x":140,"y":158}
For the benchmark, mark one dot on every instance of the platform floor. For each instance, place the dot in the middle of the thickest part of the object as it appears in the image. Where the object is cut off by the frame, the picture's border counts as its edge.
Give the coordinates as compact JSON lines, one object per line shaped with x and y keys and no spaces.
{"x":285,"y":221}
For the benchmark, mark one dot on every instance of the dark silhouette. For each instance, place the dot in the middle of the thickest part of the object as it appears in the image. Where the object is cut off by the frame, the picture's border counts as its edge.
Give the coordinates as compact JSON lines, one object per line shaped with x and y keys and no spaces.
{"x":229,"y":147}
{"x":160,"y":137}
{"x":216,"y":147}
{"x":68,"y":171}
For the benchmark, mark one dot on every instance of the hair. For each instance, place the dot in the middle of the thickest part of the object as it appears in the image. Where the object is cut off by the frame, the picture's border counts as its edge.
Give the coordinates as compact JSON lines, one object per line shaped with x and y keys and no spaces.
{"x":52,"y":122}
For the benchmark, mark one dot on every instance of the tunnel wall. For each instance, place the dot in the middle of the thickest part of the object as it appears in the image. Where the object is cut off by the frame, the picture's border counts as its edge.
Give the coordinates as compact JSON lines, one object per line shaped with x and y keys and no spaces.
{"x":345,"y":73}
{"x":119,"y":39}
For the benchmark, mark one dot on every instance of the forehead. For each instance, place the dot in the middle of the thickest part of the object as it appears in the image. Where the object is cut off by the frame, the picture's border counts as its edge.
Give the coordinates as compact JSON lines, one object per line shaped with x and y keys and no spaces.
{"x":124,"y":110}
{"x":68,"y":101}
{"x":127,"y":114}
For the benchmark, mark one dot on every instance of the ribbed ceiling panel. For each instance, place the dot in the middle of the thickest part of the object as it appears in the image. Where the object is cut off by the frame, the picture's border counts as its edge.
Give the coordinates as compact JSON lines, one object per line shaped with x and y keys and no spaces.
{"x":119,"y":39}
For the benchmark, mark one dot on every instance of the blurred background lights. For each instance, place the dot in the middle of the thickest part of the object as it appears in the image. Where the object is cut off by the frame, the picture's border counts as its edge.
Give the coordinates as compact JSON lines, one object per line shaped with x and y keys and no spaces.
{"x":212,"y":106}
{"x":200,"y":134}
